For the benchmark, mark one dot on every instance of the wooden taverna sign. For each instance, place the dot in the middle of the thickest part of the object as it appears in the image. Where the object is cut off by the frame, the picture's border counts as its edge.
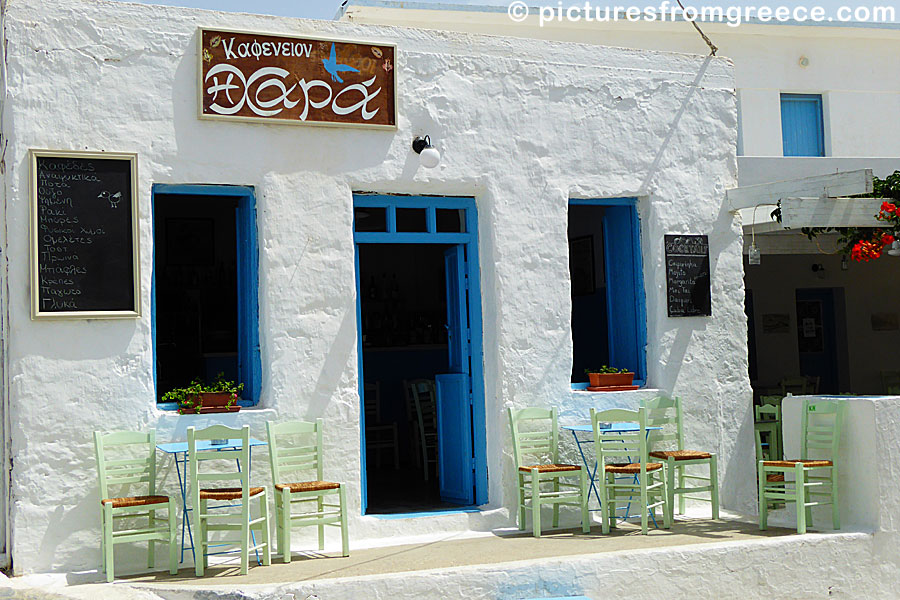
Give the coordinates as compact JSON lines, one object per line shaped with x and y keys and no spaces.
{"x":311,"y":81}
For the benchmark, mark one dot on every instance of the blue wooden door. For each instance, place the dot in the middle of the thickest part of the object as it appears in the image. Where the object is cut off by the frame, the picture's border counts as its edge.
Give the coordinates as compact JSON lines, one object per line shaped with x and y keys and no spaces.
{"x":454,"y":390}
{"x":624,"y":290}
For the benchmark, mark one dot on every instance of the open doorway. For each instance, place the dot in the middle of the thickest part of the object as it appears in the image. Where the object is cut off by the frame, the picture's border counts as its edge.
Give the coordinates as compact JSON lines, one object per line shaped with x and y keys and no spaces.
{"x":404,"y":344}
{"x":420,"y":354}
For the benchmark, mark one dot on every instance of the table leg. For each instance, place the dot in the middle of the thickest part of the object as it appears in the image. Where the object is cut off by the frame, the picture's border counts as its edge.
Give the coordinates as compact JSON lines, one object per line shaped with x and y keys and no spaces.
{"x":182,"y":483}
{"x":591,"y":473}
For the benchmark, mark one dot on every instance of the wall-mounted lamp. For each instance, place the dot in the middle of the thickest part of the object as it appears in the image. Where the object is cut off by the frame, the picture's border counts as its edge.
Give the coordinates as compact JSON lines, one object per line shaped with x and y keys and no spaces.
{"x":895,"y":248}
{"x":429,"y":157}
{"x":819,"y":270}
{"x":753,"y":255}
{"x":845,"y":262}
{"x":804,"y":61}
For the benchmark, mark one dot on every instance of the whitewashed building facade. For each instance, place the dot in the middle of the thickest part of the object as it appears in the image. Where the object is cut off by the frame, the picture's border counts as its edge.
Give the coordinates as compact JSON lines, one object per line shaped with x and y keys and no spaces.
{"x":527,"y":130}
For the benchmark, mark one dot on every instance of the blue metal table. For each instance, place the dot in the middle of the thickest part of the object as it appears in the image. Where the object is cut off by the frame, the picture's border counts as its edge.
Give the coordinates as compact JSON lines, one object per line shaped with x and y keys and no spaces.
{"x":179,"y":450}
{"x":592,"y":470}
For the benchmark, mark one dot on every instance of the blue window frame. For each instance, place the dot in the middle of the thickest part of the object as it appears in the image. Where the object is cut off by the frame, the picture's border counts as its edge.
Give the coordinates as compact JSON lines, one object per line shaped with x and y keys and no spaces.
{"x":625,"y":300}
{"x":249,"y":364}
{"x":802,"y":125}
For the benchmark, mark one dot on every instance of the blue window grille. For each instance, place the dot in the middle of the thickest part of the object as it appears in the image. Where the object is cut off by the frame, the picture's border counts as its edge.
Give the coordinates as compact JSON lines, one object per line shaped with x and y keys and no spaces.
{"x":625,"y":297}
{"x":249,"y":361}
{"x":802,"y":128}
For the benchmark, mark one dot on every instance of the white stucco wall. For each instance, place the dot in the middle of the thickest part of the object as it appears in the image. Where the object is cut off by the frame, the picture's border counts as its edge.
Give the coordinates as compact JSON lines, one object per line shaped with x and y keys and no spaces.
{"x":854,"y":68}
{"x":522,"y":125}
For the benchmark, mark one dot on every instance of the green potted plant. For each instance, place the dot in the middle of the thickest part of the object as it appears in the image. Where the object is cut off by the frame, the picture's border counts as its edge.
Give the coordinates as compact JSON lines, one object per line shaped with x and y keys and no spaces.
{"x":609,"y":377}
{"x":198,"y":398}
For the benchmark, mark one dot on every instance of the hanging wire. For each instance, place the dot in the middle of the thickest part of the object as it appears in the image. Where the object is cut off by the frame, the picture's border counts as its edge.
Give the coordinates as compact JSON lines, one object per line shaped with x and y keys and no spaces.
{"x":712,"y":47}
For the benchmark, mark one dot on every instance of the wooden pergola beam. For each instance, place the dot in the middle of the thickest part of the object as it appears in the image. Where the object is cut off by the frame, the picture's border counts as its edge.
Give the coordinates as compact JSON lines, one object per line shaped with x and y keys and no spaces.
{"x":830,"y":212}
{"x":847,"y":183}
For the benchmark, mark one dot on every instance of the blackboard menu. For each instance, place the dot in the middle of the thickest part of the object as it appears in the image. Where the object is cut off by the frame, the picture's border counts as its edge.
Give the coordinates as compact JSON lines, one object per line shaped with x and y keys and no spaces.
{"x":84,"y":235}
{"x":687,"y":275}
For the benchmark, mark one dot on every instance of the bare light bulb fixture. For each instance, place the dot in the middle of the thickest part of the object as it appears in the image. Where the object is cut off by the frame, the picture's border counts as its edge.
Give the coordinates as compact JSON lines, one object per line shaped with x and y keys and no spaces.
{"x":429,"y":157}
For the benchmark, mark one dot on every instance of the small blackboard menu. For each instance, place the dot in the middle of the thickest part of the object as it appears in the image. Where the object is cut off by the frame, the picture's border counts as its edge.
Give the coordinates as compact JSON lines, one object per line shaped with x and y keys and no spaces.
{"x":687,"y":276}
{"x":84,"y":235}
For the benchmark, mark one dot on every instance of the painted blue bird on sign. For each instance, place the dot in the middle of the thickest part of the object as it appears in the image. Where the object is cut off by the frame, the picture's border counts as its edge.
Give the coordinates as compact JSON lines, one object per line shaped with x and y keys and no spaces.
{"x":333,"y":68}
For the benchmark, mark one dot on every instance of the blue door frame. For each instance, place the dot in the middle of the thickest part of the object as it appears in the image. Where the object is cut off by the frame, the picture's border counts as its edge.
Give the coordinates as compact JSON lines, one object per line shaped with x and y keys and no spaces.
{"x":469,"y":239}
{"x":249,"y":362}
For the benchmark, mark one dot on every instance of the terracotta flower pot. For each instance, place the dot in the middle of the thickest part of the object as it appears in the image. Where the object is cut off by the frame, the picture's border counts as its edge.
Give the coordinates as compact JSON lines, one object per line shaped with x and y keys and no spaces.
{"x":610,"y":379}
{"x":213,"y":402}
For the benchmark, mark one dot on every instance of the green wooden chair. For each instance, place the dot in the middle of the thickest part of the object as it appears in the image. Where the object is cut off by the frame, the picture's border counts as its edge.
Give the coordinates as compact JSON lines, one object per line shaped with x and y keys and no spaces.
{"x":134,"y":464}
{"x":297,"y":446}
{"x":645,"y":478}
{"x":768,"y":422}
{"x":667,"y":414}
{"x":815,"y":480}
{"x":222,"y":468}
{"x":763,"y":454}
{"x":541,"y":477}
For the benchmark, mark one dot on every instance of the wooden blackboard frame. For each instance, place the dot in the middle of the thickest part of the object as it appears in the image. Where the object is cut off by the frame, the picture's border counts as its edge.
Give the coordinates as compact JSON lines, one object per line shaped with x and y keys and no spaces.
{"x":36,"y":312}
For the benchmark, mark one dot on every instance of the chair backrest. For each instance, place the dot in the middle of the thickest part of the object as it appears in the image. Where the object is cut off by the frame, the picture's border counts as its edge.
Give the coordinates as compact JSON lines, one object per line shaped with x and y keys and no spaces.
{"x":201,"y":455}
{"x":135,"y":460}
{"x":820,"y":426}
{"x":372,"y":402}
{"x":534,"y":433}
{"x":797,"y":386}
{"x":295,"y":446}
{"x":771,"y":399}
{"x":665,"y":413}
{"x":768,"y":412}
{"x":425,"y":403}
{"x":621,"y":447}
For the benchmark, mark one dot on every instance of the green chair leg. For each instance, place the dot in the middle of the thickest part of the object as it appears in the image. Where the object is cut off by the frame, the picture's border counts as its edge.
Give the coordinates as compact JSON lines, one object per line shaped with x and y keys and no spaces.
{"x":670,"y":488}
{"x":108,"y":542}
{"x":835,"y":505}
{"x":681,"y":498}
{"x":800,"y":494}
{"x":173,"y":549}
{"x":763,"y":504}
{"x":536,"y":502}
{"x":667,"y":508}
{"x":151,"y":549}
{"x":286,"y":524}
{"x":556,"y":505}
{"x":644,"y":513}
{"x":320,"y":504}
{"x":714,"y":484}
{"x":264,"y":529}
{"x":521,"y":512}
{"x":345,"y":533}
{"x":585,"y":497}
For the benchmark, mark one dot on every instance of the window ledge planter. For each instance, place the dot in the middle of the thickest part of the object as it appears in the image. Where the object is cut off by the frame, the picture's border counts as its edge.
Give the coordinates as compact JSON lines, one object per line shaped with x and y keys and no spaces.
{"x":611,"y":382}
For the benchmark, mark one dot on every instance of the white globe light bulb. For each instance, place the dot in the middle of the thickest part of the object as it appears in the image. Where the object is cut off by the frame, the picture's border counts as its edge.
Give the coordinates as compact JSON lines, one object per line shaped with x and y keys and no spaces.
{"x":430,"y":158}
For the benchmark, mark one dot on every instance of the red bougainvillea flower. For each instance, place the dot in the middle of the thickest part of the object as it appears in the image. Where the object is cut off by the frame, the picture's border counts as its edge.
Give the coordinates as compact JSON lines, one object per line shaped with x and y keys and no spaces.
{"x":888,"y":207}
{"x":866,"y":250}
{"x":887,"y":239}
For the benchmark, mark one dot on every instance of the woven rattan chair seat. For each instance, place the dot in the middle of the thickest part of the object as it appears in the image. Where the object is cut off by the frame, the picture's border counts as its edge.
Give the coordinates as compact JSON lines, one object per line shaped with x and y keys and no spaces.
{"x":632,"y":468}
{"x":791,"y":463}
{"x":135,"y":501}
{"x":227,"y":493}
{"x":681,"y":454}
{"x":308,"y":486}
{"x":775,"y":477}
{"x":551,"y":468}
